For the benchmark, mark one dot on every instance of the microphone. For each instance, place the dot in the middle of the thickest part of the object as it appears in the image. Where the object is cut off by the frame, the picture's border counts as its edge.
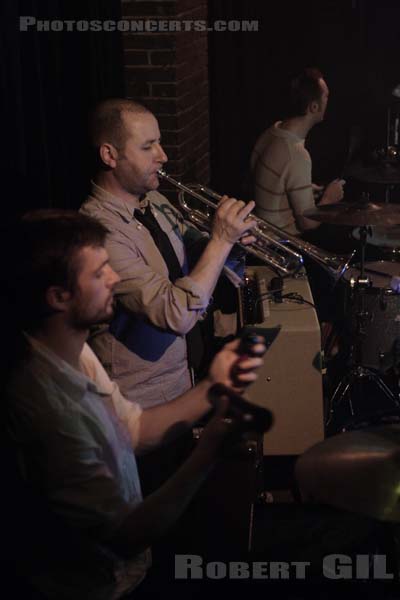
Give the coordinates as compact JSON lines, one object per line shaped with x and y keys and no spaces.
{"x":276,"y":287}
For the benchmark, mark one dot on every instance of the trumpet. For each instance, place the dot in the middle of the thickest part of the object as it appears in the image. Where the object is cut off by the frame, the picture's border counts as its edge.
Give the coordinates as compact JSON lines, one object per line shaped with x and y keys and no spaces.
{"x":272,"y":243}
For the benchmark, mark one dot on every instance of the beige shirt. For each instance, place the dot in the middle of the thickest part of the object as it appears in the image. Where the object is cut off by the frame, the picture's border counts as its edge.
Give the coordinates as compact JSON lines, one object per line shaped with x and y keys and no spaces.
{"x":281,"y":168}
{"x":144,"y":348}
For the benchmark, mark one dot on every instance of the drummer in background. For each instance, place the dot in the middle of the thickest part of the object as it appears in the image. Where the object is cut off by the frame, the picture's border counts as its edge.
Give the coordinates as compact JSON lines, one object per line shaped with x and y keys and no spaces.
{"x":282,"y":175}
{"x":281,"y":165}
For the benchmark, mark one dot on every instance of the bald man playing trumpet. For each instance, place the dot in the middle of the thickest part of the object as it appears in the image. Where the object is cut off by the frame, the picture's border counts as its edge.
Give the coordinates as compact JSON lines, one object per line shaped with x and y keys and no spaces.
{"x":159,"y":300}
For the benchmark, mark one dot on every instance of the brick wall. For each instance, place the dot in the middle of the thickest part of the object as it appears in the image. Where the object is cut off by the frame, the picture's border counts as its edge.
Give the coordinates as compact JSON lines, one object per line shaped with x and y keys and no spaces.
{"x":168,"y":72}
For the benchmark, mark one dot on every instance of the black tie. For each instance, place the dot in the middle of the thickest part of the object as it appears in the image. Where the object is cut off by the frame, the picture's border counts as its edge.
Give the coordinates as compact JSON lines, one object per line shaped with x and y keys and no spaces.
{"x":194,"y":338}
{"x":161,"y":240}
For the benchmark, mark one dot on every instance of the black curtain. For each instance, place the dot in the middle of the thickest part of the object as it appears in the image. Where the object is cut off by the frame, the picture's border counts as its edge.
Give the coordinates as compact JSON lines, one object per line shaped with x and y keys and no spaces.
{"x":356,"y":43}
{"x":49,"y":81}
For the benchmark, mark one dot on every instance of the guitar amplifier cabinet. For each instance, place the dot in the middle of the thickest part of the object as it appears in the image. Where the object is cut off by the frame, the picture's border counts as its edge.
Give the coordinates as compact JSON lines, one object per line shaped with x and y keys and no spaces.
{"x":290,"y":381}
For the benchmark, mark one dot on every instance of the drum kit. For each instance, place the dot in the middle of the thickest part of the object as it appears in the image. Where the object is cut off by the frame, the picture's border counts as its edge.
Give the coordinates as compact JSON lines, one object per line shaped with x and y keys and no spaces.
{"x":357,"y":470}
{"x":373,"y":309}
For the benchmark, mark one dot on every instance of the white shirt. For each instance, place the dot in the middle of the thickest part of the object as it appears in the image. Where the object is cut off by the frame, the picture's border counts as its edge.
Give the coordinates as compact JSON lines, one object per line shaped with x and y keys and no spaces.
{"x":75,"y":434}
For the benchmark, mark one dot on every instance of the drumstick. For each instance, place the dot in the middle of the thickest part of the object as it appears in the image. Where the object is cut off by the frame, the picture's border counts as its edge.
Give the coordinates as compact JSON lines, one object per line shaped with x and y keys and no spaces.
{"x":375,"y":272}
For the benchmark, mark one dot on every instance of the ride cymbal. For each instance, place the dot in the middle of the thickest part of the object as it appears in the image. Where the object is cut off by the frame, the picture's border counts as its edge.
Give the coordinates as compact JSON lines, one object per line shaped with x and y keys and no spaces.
{"x":356,"y":214}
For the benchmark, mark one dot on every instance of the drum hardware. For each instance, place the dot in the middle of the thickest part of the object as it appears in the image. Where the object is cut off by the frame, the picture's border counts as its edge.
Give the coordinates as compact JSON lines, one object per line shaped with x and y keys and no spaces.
{"x":358,"y":373}
{"x":382,"y":298}
{"x":389,"y":155}
{"x":383,"y":243}
{"x":274,"y":246}
{"x":382,"y":302}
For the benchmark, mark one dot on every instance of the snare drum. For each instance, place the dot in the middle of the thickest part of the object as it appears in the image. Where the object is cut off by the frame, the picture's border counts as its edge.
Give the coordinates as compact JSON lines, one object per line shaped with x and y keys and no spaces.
{"x":381,"y":341}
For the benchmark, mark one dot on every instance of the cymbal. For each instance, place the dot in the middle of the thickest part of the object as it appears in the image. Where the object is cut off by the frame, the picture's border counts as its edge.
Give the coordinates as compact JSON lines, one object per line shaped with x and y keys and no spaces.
{"x":356,"y":214}
{"x":380,"y":173}
{"x":355,"y":471}
{"x":382,"y":237}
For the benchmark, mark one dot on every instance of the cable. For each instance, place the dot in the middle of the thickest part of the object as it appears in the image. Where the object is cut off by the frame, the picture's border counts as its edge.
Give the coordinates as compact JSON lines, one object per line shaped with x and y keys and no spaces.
{"x":298,"y":298}
{"x":261,"y":297}
{"x":292,"y":296}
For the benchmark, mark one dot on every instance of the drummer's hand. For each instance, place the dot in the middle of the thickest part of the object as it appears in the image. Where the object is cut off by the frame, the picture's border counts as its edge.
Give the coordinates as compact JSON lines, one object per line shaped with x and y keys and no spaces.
{"x":333,"y":192}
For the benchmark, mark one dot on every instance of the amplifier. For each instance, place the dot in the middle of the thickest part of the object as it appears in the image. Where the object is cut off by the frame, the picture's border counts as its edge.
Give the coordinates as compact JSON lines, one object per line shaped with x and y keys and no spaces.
{"x":290,"y":381}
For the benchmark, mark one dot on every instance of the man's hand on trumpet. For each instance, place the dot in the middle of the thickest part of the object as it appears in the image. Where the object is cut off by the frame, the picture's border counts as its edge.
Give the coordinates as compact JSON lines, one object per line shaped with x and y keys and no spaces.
{"x":232,"y":222}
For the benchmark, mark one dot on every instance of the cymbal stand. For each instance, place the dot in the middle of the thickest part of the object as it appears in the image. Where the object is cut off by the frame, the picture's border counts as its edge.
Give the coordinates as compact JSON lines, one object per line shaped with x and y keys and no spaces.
{"x":358,"y":374}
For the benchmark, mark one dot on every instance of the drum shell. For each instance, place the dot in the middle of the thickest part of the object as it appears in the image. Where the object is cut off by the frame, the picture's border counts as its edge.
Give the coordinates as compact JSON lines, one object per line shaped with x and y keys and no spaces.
{"x":380,"y":337}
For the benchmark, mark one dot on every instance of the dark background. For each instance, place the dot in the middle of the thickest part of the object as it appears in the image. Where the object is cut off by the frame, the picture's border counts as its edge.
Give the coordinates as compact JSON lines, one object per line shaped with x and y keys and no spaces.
{"x":50,"y":80}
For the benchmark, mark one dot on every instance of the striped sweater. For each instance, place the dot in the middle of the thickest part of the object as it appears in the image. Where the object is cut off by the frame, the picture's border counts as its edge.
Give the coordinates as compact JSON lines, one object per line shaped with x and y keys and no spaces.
{"x":281,"y":168}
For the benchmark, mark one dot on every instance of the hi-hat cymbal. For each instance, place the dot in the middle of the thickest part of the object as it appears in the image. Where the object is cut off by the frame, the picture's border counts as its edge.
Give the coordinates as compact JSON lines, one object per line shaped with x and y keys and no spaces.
{"x":356,"y":471}
{"x":356,"y":214}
